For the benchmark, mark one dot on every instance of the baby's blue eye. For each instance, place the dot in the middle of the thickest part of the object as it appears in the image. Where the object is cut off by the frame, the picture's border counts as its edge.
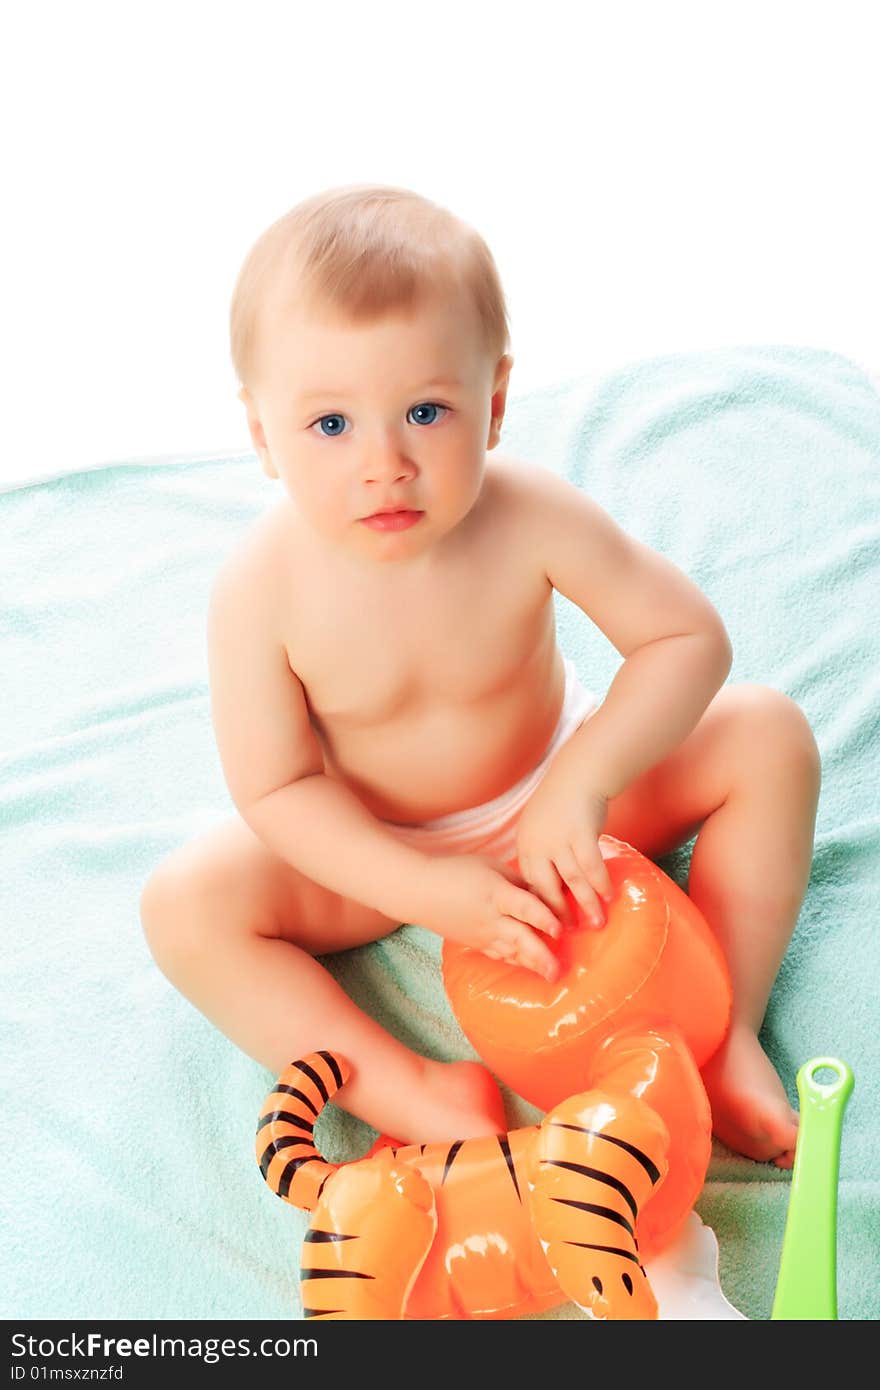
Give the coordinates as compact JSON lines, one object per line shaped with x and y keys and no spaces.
{"x":424,"y":405}
{"x":427,"y":405}
{"x":330,"y":417}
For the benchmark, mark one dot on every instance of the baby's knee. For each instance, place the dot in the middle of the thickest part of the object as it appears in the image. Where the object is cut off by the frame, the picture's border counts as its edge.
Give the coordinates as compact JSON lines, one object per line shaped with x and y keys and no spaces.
{"x":172,"y":911}
{"x":776,"y":727}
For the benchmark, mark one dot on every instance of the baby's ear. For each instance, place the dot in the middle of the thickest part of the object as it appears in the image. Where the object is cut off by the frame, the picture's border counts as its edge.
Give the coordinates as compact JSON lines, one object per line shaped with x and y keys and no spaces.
{"x":499,"y":399}
{"x":247,"y":401}
{"x":257,"y":433}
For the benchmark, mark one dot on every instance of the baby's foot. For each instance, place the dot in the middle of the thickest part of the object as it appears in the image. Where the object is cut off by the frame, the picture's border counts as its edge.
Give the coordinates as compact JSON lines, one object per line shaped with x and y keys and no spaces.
{"x":750,"y":1110}
{"x":458,"y":1100}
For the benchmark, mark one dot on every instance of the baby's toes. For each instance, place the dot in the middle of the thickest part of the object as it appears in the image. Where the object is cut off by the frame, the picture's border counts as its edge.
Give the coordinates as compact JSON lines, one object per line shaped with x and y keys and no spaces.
{"x":785,"y":1160}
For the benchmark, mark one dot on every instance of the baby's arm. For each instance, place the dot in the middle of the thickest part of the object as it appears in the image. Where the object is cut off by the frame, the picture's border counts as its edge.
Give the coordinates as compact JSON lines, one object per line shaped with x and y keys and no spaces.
{"x":275,"y":773}
{"x":676,"y":656}
{"x":272,"y":760}
{"x":675,"y":647}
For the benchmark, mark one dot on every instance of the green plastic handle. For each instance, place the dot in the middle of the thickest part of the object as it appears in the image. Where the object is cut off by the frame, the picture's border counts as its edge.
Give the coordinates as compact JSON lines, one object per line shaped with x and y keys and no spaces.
{"x":807,"y":1285}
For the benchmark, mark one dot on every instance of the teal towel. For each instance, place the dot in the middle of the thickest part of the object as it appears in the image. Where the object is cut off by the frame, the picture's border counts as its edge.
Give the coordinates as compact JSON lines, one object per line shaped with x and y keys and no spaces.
{"x":130,"y":1119}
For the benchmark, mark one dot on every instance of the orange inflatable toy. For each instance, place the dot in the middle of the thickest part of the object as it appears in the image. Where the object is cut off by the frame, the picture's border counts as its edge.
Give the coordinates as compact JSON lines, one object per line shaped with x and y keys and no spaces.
{"x":640,"y":1006}
{"x":568,"y":1209}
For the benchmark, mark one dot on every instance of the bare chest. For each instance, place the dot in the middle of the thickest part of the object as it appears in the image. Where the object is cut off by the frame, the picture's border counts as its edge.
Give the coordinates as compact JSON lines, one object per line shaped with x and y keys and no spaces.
{"x":369,"y":658}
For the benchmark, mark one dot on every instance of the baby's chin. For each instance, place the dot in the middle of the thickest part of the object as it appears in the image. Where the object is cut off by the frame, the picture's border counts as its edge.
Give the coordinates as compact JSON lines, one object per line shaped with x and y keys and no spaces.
{"x":393,"y":546}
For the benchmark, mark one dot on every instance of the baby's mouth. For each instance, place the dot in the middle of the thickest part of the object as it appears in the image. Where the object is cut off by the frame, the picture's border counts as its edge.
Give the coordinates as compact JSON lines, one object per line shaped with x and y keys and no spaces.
{"x":397,"y":519}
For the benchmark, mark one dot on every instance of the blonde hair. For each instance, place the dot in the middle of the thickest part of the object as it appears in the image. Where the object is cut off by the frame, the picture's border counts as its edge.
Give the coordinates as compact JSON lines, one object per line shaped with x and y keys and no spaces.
{"x":364,"y":250}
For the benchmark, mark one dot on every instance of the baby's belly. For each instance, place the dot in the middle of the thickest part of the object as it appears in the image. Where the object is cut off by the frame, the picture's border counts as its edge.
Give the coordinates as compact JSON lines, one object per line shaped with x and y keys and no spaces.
{"x":439,"y":759}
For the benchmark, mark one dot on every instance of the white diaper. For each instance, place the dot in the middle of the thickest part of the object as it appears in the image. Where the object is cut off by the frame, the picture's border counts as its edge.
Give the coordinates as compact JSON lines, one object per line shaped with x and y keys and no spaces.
{"x":491,"y":828}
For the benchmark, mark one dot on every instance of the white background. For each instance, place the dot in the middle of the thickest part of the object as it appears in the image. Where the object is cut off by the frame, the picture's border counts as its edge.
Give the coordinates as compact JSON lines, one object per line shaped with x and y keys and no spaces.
{"x":651,"y":177}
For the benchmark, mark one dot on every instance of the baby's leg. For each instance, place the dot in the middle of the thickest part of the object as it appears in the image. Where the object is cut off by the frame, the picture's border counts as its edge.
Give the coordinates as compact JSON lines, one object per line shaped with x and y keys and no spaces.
{"x":749,"y":874}
{"x":749,"y":774}
{"x":234,"y":928}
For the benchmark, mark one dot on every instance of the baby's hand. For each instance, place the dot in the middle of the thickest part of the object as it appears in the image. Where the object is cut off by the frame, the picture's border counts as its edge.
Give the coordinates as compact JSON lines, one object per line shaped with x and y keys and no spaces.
{"x":482,"y":903}
{"x":558,"y":843}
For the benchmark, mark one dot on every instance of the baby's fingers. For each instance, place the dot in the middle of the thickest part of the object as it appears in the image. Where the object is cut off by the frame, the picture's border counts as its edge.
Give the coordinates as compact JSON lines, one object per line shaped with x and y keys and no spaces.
{"x":520,"y":946}
{"x":584,"y":871}
{"x":523,"y":906}
{"x":542,"y":876}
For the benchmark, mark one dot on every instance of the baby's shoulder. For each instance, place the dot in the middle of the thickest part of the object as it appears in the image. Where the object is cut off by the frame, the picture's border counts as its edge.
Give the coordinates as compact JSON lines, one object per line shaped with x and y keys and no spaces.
{"x":520,"y":479}
{"x":527,"y":492}
{"x":549,"y":513}
{"x":252,"y":568}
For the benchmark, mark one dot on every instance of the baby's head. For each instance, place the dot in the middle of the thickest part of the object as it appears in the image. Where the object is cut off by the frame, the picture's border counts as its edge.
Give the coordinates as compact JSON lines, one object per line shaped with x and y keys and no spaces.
{"x":369,"y":333}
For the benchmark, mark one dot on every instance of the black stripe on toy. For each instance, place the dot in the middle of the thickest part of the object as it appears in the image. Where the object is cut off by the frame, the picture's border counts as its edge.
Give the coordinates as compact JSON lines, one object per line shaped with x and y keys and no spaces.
{"x":288,"y":1118}
{"x":450,"y":1159}
{"x":292,"y":1091}
{"x":314,"y":1078}
{"x":504,"y":1145}
{"x":321,"y":1236}
{"x":290,"y":1172}
{"x":334,"y":1067}
{"x":650,"y":1168}
{"x":607,"y":1212}
{"x":599,"y":1176}
{"x":284,"y":1141}
{"x":606,"y":1250}
{"x":333,"y":1274}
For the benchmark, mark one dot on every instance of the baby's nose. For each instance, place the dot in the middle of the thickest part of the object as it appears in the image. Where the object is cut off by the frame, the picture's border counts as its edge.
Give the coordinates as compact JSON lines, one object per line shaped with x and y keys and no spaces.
{"x":387,"y":467}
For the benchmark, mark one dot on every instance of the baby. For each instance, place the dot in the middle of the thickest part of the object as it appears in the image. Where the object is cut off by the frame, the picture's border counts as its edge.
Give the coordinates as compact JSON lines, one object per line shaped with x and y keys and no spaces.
{"x":395,"y":722}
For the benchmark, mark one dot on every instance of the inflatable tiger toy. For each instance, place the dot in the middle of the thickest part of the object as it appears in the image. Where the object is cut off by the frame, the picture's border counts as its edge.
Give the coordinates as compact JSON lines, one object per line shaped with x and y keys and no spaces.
{"x":571,"y":1208}
{"x":527,"y":1218}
